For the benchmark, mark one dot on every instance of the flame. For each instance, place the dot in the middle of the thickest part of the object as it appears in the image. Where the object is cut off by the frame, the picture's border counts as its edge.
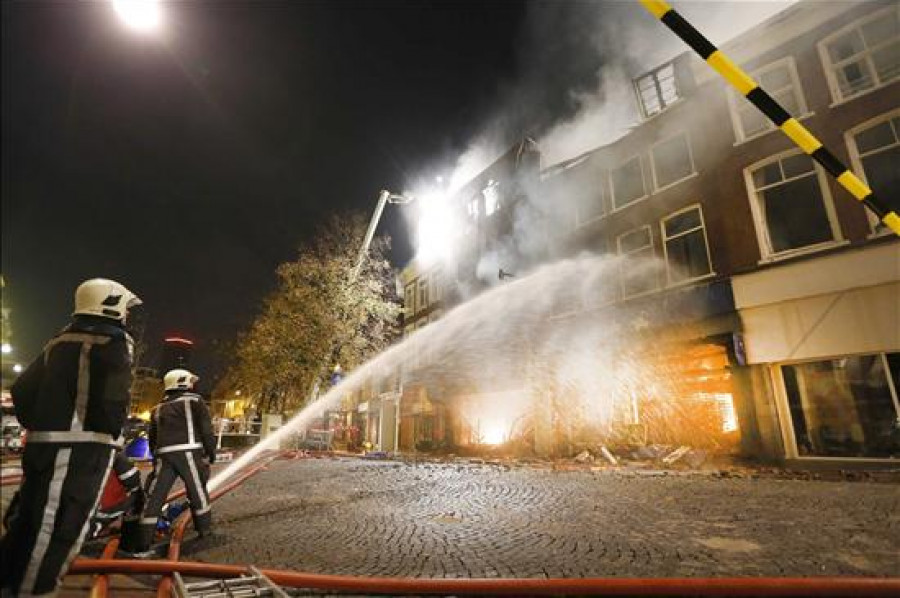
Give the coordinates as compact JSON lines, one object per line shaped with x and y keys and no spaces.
{"x":494,"y":434}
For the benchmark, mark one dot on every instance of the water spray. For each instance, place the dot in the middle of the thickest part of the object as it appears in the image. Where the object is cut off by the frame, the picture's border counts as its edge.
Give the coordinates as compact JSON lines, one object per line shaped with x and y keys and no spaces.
{"x":510,"y":346}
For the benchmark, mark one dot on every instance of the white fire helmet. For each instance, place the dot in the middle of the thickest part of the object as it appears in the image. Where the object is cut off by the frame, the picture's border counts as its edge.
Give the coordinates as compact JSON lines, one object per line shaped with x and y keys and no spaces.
{"x":179,"y":380}
{"x":106,"y":298}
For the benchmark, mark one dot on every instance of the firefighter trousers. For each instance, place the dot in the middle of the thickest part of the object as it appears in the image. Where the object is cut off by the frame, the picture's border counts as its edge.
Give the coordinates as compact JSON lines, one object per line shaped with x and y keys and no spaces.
{"x":60,"y":490}
{"x":190,"y":467}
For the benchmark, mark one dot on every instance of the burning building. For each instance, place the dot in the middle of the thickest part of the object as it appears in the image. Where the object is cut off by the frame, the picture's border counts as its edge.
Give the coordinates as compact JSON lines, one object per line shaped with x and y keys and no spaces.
{"x":761,"y":304}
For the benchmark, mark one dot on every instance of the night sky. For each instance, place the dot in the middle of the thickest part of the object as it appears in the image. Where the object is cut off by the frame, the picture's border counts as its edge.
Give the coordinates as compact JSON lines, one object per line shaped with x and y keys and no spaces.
{"x":188,"y":166}
{"x":190,"y":163}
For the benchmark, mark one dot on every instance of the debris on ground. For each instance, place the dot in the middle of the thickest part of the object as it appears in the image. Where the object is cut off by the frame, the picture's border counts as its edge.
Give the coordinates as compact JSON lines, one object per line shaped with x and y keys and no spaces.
{"x":584,"y":457}
{"x":651,"y":452}
{"x":608,"y":455}
{"x":675,"y":455}
{"x":695,"y":458}
{"x":377,"y":455}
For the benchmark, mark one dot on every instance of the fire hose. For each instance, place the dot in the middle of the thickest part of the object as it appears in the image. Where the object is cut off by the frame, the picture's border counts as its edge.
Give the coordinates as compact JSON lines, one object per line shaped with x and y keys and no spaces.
{"x":716,"y":586}
{"x":101,"y":583}
{"x":164,"y":589}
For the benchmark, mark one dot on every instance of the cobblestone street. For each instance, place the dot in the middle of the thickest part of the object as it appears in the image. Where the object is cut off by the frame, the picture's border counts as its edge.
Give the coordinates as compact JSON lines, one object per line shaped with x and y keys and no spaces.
{"x":349,"y":516}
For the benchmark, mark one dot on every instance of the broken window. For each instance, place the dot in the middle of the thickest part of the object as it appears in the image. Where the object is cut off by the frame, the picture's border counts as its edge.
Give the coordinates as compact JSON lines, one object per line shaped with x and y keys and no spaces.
{"x":657,"y":89}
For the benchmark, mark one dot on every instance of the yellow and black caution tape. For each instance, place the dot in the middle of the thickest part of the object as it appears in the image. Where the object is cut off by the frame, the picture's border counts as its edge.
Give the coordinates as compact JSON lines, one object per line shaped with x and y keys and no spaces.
{"x":772,"y":109}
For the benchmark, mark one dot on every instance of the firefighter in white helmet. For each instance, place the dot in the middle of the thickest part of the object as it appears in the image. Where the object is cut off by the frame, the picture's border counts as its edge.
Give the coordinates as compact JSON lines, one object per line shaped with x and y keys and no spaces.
{"x":73,"y":400}
{"x":180,"y":436}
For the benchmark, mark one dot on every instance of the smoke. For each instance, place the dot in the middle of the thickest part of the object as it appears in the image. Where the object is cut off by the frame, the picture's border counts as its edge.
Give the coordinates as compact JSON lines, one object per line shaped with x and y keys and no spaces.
{"x":518,"y":351}
{"x":574,"y":93}
{"x":632,"y":42}
{"x":576,"y":62}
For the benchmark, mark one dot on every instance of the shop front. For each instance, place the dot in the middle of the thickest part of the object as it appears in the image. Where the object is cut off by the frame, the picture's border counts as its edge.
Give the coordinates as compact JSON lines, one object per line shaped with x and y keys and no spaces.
{"x":824,"y":337}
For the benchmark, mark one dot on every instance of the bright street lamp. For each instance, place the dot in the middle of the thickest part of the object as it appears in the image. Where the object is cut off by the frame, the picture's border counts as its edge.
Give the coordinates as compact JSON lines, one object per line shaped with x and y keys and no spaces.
{"x":6,"y":348}
{"x":436,"y":229}
{"x":17,"y":368}
{"x":143,"y":16}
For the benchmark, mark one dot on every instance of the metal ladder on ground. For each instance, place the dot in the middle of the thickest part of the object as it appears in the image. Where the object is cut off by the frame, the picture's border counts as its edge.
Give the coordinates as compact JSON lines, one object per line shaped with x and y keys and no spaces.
{"x":252,"y":583}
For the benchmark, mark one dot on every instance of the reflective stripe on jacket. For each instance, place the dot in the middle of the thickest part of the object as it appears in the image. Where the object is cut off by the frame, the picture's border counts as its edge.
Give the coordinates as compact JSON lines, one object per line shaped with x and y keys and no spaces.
{"x":181,"y":423}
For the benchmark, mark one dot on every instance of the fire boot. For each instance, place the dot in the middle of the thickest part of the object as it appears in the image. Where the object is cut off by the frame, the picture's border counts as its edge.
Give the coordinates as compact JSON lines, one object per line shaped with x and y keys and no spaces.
{"x":137,"y":536}
{"x":203,"y":524}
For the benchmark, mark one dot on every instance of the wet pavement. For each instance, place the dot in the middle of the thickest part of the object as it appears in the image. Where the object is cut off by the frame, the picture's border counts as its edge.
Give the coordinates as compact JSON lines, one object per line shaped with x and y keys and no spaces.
{"x":356,"y":517}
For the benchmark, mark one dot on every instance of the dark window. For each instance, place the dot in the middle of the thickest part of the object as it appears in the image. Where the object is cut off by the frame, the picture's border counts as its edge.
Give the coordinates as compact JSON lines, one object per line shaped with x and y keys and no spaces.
{"x":843,"y":407}
{"x":671,"y":161}
{"x":685,"y":243}
{"x":628,"y":182}
{"x":790,"y":203}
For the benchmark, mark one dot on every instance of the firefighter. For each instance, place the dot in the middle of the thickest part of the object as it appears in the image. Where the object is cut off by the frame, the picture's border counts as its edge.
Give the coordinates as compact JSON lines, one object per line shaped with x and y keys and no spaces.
{"x":180,"y":436}
{"x":123,"y":494}
{"x":73,"y":400}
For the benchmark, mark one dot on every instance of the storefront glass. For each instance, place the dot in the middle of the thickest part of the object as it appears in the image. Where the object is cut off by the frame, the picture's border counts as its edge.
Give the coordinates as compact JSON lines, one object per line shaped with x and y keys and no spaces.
{"x":845,"y":407}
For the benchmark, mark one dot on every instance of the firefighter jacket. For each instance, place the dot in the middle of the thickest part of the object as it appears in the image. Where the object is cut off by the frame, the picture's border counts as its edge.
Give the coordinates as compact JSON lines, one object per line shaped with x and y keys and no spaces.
{"x":181,"y":423}
{"x":77,"y":390}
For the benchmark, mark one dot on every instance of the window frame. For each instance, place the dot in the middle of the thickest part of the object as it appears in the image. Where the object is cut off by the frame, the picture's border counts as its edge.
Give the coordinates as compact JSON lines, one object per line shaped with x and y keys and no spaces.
{"x":474,"y":207}
{"x":605,"y":198}
{"x":767,"y":253}
{"x":782,"y":406}
{"x":856,"y":161}
{"x":435,"y":280}
{"x":410,"y":290}
{"x":491,"y":198}
{"x":422,"y":286}
{"x":612,"y":185}
{"x":650,"y":158}
{"x":829,"y":67}
{"x":664,"y":240}
{"x":736,"y":101}
{"x":619,"y":253}
{"x":653,"y":73}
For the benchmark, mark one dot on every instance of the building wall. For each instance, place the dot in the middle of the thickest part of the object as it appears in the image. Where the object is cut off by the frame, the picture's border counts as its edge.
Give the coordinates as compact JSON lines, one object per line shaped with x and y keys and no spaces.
{"x":842,"y":303}
{"x":837,"y":298}
{"x":825,"y":310}
{"x":860,"y":317}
